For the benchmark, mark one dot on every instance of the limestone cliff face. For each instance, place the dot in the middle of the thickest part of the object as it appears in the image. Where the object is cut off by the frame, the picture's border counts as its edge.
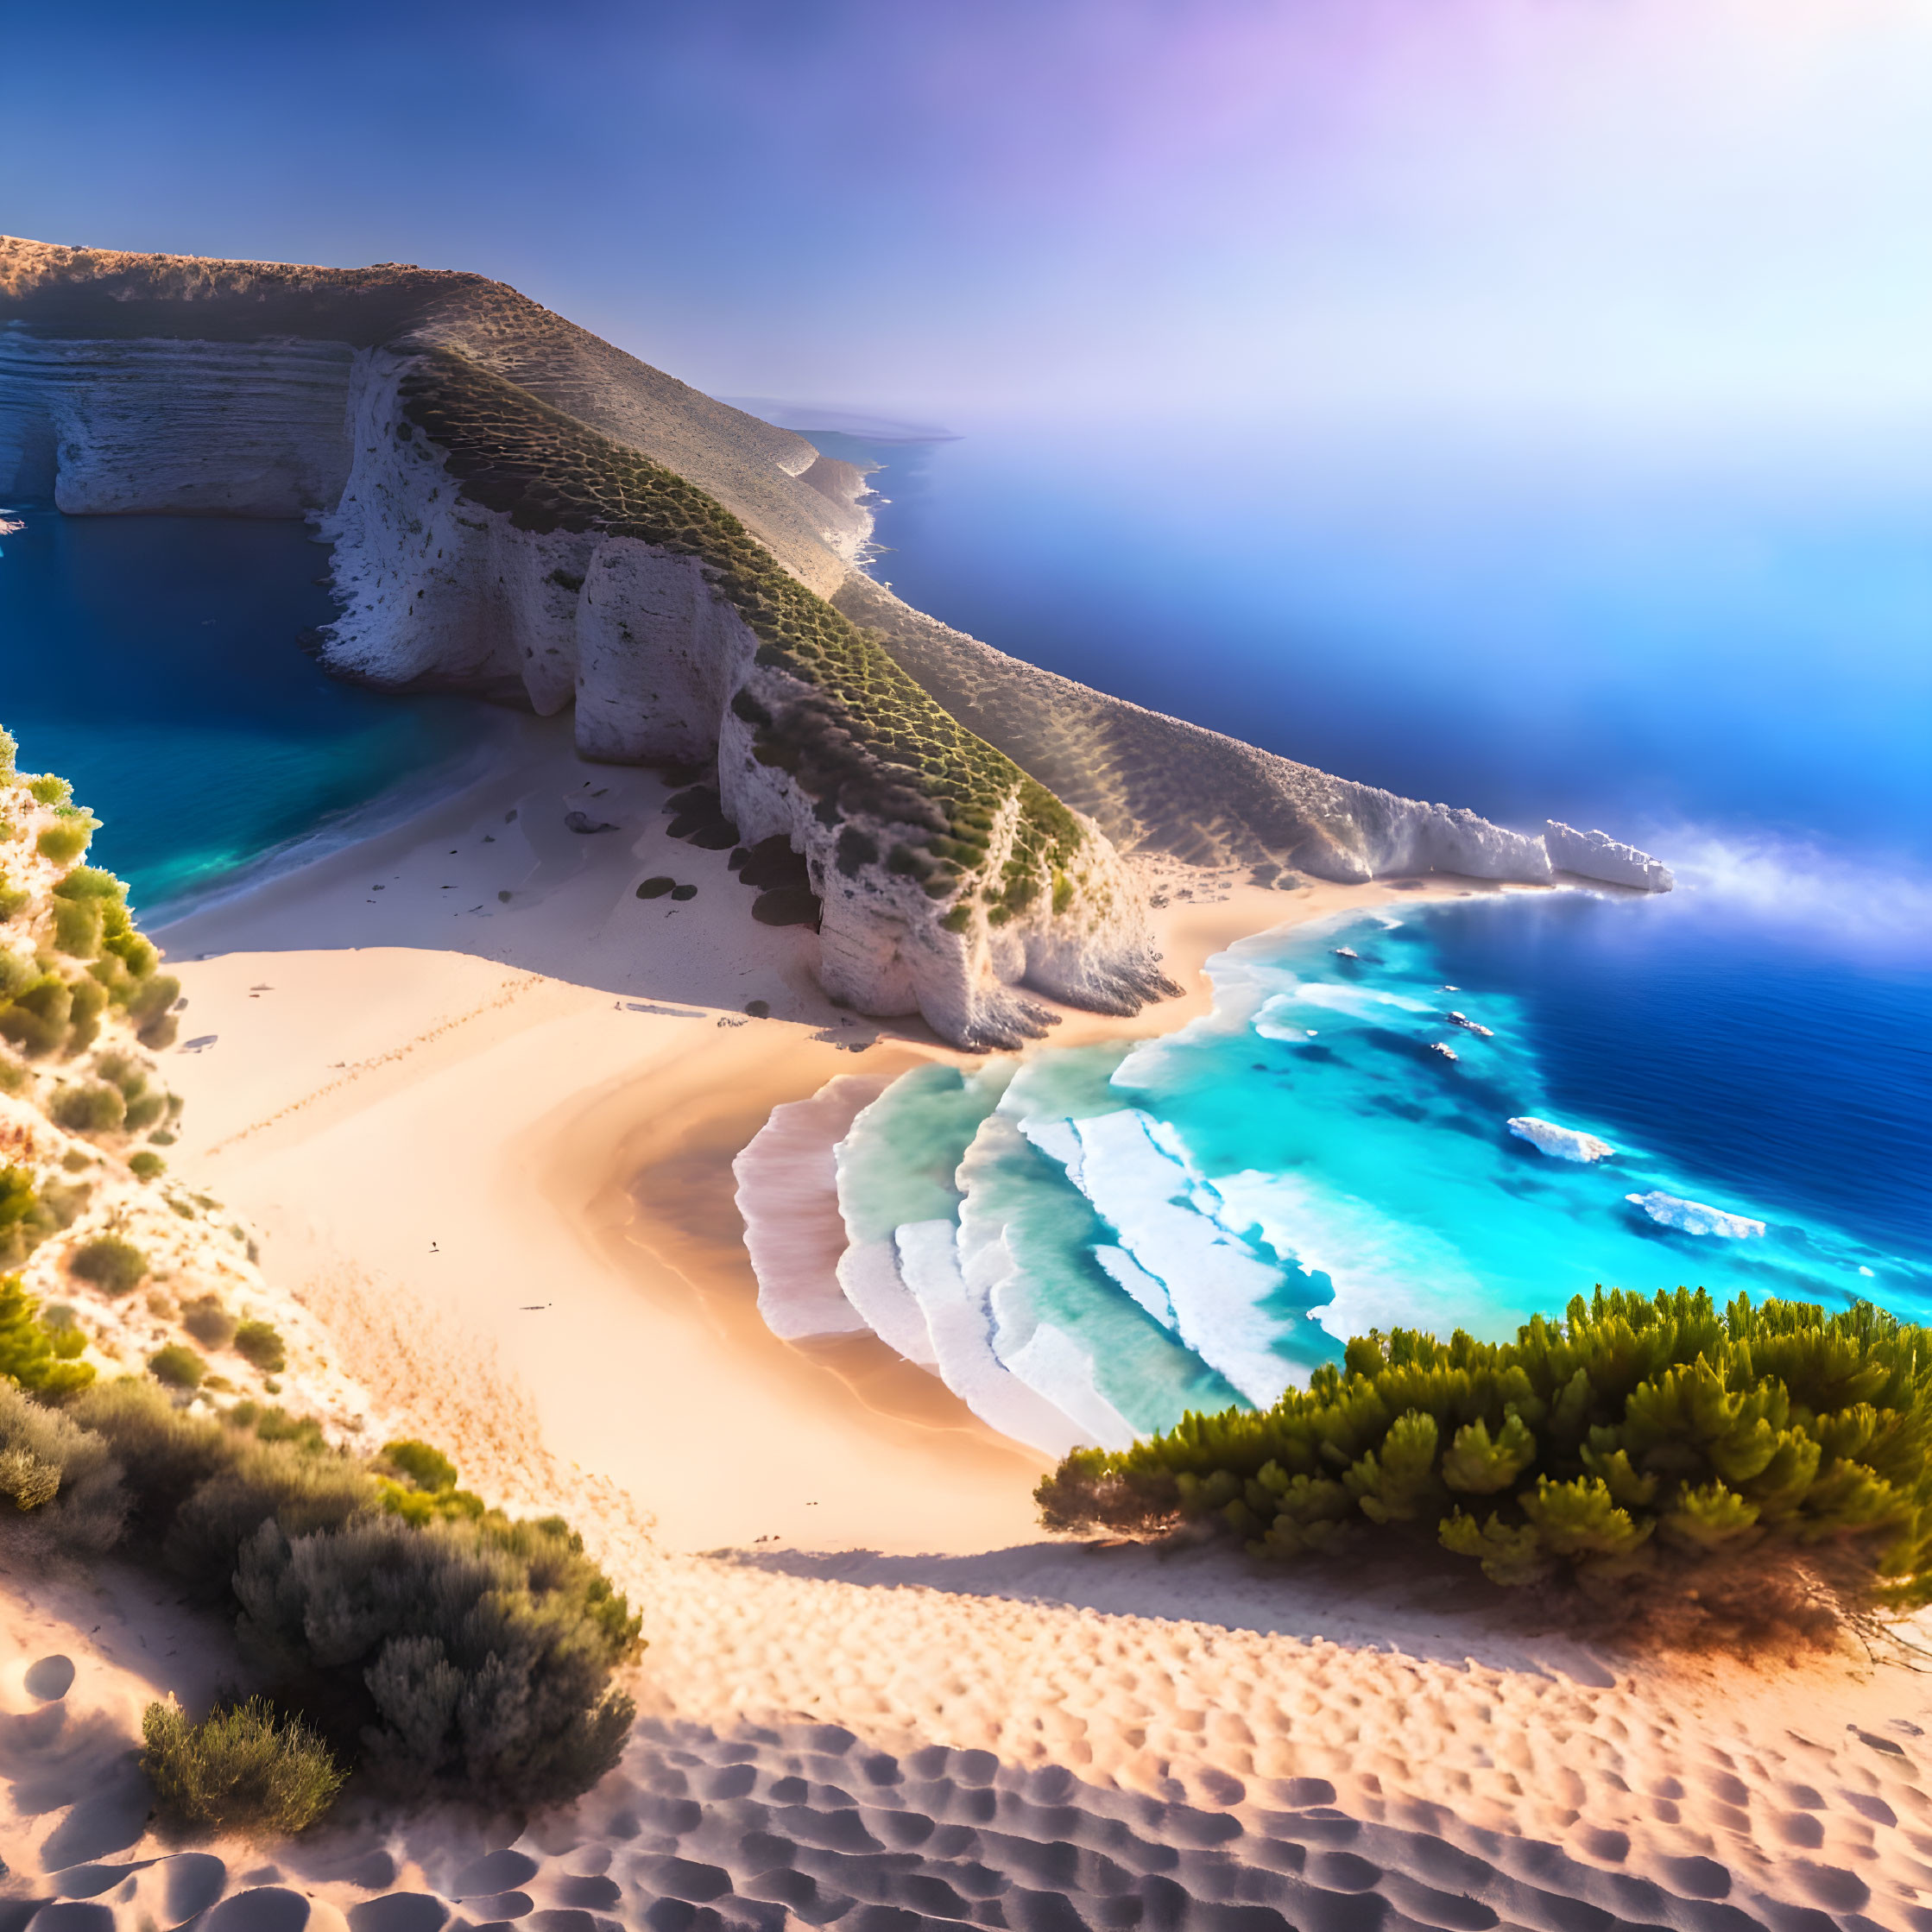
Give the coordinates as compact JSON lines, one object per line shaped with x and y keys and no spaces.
{"x":949,"y":881}
{"x":172,"y":428}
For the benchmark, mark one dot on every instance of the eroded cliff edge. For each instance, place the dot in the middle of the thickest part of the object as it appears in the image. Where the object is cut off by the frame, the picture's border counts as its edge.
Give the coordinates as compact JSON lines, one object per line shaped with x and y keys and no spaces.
{"x":519,"y":509}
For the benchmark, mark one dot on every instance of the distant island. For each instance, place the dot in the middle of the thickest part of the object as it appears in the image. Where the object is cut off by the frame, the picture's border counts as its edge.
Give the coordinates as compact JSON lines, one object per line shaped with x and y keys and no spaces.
{"x":520,"y":510}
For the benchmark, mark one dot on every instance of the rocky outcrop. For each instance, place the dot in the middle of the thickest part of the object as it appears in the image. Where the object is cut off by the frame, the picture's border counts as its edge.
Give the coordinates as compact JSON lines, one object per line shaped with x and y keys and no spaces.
{"x":487,"y":542}
{"x":1597,"y":856}
{"x":522,"y":510}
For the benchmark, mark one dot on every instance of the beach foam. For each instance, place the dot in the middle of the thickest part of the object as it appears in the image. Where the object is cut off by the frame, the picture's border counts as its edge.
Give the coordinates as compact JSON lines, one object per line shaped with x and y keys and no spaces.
{"x":1694,"y":1217}
{"x":1564,"y":1143}
{"x":1203,"y":1219}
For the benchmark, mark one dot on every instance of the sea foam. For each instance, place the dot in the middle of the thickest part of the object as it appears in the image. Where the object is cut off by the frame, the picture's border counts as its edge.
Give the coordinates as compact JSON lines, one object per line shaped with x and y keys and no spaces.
{"x":1565,"y":1143}
{"x":1695,"y":1217}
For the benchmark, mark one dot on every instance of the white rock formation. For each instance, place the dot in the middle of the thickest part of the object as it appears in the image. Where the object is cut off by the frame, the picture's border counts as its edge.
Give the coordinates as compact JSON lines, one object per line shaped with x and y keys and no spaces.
{"x":228,"y":428}
{"x":1695,"y":1217}
{"x":1597,"y":856}
{"x":1564,"y":1143}
{"x":442,"y":592}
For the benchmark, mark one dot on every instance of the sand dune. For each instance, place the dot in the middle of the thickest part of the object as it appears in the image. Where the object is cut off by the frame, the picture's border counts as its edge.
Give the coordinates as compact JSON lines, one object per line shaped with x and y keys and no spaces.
{"x":1019,"y":1748}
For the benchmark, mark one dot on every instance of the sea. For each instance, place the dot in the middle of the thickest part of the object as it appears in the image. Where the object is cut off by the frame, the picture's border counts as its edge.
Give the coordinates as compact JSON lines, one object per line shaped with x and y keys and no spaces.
{"x":154,"y":662}
{"x":1716,"y":649}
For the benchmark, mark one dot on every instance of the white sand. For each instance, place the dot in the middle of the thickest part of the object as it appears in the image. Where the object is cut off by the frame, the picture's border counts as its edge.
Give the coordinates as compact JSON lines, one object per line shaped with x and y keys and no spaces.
{"x":501,"y":1185}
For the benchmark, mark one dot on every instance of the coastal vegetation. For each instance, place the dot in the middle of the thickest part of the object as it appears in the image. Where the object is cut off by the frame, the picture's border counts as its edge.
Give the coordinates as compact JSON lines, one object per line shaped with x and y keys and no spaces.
{"x":243,"y":1768}
{"x":430,"y":1641}
{"x":862,"y":738}
{"x":1777,"y":1448}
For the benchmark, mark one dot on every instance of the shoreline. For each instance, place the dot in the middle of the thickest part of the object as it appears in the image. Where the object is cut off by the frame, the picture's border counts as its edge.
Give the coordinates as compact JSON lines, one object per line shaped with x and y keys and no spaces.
{"x":521,"y":1114}
{"x":390,"y":810}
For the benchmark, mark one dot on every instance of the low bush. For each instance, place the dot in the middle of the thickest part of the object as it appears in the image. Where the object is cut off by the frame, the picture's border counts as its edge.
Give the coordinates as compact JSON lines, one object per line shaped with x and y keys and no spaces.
{"x":208,"y":1321}
{"x":60,"y":1487}
{"x":145,"y":1164}
{"x":77,"y":927}
{"x":241,"y":1769}
{"x":86,"y":1002}
{"x":63,"y":843}
{"x":1658,"y":1439}
{"x":49,"y":790}
{"x":93,"y":1108}
{"x":178,"y":1365}
{"x":473,"y":1654}
{"x":35,"y":1018}
{"x":259,"y":1344}
{"x":470,"y":1652}
{"x":35,"y":1353}
{"x":112,"y":1264}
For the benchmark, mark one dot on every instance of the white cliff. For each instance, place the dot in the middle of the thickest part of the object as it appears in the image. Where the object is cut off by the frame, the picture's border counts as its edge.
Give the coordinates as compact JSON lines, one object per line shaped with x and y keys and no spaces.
{"x":962,"y":814}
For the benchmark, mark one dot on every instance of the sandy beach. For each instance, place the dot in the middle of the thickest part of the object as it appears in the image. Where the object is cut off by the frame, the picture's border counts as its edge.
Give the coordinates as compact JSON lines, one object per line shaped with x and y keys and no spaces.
{"x":524,"y":1112}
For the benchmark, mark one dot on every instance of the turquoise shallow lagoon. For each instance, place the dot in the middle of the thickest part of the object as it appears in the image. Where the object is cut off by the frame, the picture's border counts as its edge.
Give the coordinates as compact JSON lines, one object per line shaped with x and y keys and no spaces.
{"x":152,"y":661}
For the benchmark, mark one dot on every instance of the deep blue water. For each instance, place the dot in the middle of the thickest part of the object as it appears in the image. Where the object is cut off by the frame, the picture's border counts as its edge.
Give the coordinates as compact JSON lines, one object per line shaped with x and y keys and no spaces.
{"x":152,"y":661}
{"x":1733,"y":639}
{"x":1720,"y":654}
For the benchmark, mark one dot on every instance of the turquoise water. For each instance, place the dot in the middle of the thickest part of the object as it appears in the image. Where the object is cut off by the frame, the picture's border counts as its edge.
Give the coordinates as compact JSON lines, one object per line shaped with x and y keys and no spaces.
{"x":1204,"y":1217}
{"x":152,"y":661}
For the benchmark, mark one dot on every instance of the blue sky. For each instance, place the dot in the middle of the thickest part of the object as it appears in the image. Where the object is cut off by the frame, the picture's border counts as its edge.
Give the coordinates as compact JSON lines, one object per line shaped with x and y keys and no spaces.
{"x":1617,"y":208}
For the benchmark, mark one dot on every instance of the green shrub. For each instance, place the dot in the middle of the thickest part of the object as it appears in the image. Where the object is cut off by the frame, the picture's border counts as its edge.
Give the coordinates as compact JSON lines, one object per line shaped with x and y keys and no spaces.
{"x":77,"y":927}
{"x":259,"y":1343}
{"x":66,"y":1201}
{"x":167,"y":1452}
{"x":426,"y":1467}
{"x":60,"y":1487}
{"x":207,"y":1321}
{"x":304,"y":1488}
{"x":124,"y":1071}
{"x":49,"y":790}
{"x":20,"y":1214}
{"x":1635,"y":1438}
{"x":275,"y":1424}
{"x":89,"y":1108}
{"x":13,"y":898}
{"x":35,"y":1018}
{"x":109,"y":1262}
{"x":241,"y":1769}
{"x":65,"y":841}
{"x":33,"y":1352}
{"x":470,"y":1654}
{"x":178,"y":1365}
{"x":144,"y":1111}
{"x":448,"y":1631}
{"x":146,"y":1165}
{"x":13,"y":1076}
{"x":87,"y":1001}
